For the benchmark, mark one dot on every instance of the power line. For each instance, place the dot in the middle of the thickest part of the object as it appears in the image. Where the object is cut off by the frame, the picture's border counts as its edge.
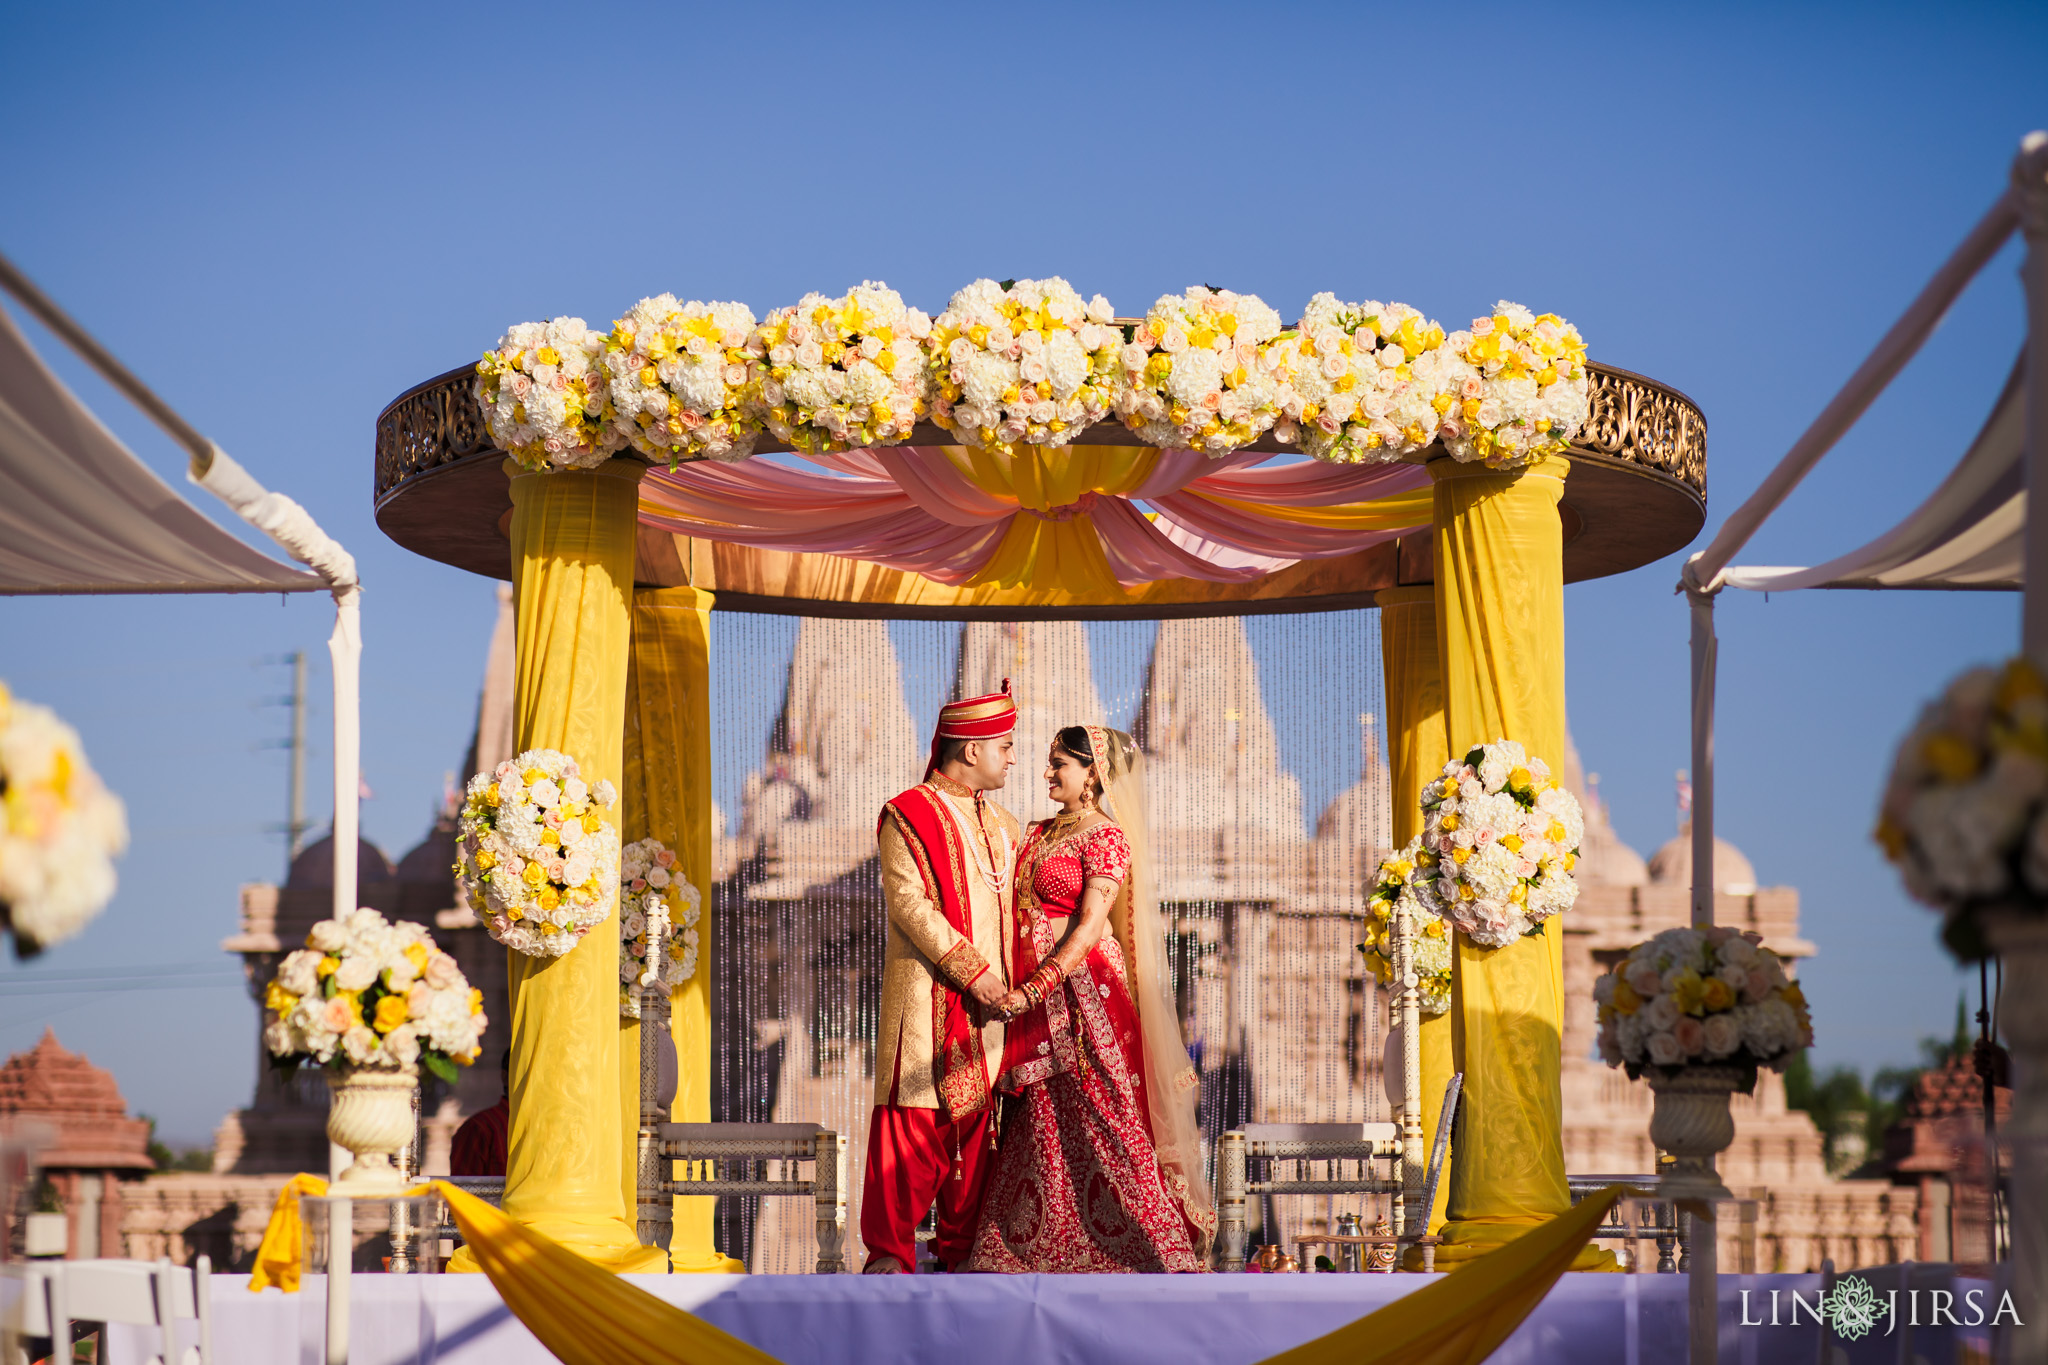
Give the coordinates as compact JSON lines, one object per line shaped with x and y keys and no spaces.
{"x":101,"y":988}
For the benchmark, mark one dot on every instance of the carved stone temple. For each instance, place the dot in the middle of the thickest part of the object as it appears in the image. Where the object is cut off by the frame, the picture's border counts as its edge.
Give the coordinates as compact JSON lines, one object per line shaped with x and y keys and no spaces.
{"x":1264,"y":909}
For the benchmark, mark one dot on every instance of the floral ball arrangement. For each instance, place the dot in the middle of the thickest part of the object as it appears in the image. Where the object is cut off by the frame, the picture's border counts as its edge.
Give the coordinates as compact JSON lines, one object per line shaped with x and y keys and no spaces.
{"x":679,"y":375}
{"x":538,"y":861}
{"x":1194,"y":375}
{"x":1360,"y":381}
{"x":543,"y":394}
{"x":1394,"y":898}
{"x":1965,"y":814}
{"x":367,"y":993}
{"x":658,"y":913}
{"x":1700,"y":997}
{"x":1022,"y":362}
{"x":1506,"y":836}
{"x":1514,"y":387}
{"x":844,"y":373}
{"x":60,"y":829}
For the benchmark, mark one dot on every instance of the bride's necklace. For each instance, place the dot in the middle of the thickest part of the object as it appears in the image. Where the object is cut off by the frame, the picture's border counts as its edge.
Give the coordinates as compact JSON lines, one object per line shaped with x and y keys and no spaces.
{"x":1064,"y":824}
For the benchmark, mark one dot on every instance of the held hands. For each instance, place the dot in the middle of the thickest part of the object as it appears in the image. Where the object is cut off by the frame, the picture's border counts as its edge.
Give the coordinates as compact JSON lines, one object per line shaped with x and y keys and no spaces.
{"x":1012,"y":1005}
{"x":988,"y":990}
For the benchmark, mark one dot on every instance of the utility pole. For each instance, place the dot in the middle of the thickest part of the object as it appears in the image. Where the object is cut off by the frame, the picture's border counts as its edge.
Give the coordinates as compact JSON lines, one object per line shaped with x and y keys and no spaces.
{"x":295,"y":826}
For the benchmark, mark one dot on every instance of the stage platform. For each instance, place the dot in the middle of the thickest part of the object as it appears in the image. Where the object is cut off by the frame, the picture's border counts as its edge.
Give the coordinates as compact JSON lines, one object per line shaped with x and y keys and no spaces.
{"x":1049,"y":1319}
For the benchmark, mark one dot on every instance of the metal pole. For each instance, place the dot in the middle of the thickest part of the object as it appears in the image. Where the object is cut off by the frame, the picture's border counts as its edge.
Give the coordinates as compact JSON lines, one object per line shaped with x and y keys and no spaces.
{"x":295,"y":817}
{"x":1703,"y":662}
{"x":2030,"y":190}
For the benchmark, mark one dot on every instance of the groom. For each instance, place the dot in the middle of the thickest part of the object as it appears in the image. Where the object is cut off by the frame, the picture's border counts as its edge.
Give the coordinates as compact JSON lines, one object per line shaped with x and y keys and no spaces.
{"x":946,"y":855}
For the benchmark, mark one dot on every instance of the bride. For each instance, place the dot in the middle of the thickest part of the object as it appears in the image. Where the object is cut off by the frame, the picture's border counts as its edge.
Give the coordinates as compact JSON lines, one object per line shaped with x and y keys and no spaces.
{"x":1100,"y":1167}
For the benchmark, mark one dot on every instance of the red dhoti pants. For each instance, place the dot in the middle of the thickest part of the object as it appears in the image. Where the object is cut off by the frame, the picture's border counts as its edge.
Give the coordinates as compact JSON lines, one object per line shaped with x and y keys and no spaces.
{"x":915,"y":1157}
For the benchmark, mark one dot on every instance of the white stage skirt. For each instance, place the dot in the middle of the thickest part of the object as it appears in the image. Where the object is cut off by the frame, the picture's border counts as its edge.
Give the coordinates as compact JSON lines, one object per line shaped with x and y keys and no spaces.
{"x":1041,"y":1319}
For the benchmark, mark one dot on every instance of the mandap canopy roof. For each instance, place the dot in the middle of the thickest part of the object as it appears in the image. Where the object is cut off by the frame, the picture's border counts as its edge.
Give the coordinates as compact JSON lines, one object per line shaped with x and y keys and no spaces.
{"x":1107,"y":526}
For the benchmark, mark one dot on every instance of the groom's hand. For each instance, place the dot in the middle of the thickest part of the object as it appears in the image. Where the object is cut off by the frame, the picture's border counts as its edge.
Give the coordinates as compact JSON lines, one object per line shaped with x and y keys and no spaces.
{"x":987,"y":989}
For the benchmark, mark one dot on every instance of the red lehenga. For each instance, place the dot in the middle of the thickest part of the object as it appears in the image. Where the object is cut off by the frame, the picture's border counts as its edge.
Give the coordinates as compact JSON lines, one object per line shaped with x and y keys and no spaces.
{"x":1078,"y":1186}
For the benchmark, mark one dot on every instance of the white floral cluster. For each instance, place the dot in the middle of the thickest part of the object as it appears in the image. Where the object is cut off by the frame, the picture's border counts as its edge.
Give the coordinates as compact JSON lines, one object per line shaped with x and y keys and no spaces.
{"x":1506,"y":836}
{"x":1395,"y":900}
{"x":1514,"y":387}
{"x":367,"y":993}
{"x":1700,"y":997}
{"x":1027,"y":363}
{"x":658,"y":912}
{"x":60,"y":829}
{"x":844,"y":373}
{"x":1965,"y":814}
{"x":1196,"y":375}
{"x":1359,"y":380}
{"x":538,"y":862}
{"x":680,"y":377}
{"x":543,"y":394}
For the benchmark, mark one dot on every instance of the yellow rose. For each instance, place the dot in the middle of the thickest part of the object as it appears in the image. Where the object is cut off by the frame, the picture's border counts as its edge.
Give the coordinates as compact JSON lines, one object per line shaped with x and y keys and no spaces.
{"x":486,"y":860}
{"x":549,"y":898}
{"x":1433,"y":929}
{"x":1461,"y":856}
{"x":417,"y":955}
{"x":1793,"y":996}
{"x":1690,"y":993}
{"x":278,"y":1000}
{"x":1953,"y":759}
{"x":533,"y":875}
{"x":1625,"y":998}
{"x":354,"y":1001}
{"x":1717,"y":996}
{"x":476,"y":1003}
{"x":492,"y":796}
{"x":593,"y":823}
{"x":390,"y":1013}
{"x":531,"y":776}
{"x":1519,"y":779}
{"x":1448,"y":821}
{"x":329,"y":966}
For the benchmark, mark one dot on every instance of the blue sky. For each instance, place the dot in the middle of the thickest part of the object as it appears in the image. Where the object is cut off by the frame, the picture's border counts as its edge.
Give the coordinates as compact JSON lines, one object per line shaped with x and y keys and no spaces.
{"x":282,"y":216}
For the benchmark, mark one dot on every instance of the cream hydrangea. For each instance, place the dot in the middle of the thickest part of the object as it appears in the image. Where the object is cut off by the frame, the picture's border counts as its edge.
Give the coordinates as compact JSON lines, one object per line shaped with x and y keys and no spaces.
{"x":1513,"y":387}
{"x":1395,"y":900}
{"x":679,"y":376}
{"x":1358,"y":380}
{"x":1700,"y":997}
{"x":1022,"y":362}
{"x":844,"y":373}
{"x":60,"y":829}
{"x":658,"y":912}
{"x":1195,"y":374}
{"x":543,"y":395}
{"x":365,"y":992}
{"x":538,"y":861}
{"x":1506,"y":835}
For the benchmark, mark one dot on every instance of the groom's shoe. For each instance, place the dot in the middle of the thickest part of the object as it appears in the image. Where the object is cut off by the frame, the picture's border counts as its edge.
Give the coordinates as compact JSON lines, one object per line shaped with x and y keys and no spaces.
{"x":883,"y":1265}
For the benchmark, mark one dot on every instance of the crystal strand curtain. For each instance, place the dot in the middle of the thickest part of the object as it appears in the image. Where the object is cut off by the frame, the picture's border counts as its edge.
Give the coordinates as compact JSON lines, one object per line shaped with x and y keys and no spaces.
{"x":1269,"y":812}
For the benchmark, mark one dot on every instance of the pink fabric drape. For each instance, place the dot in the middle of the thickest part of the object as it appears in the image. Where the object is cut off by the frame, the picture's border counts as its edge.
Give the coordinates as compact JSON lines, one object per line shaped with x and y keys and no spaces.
{"x":912,"y":508}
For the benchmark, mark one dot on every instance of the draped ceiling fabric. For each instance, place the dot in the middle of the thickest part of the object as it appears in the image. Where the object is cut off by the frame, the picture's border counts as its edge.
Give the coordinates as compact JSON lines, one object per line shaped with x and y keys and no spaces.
{"x":1093,"y":519}
{"x":80,"y":514}
{"x":1969,"y":534}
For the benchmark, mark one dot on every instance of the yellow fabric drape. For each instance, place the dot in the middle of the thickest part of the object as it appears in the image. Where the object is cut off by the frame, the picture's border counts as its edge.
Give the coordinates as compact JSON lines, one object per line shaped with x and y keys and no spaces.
{"x":1395,"y":512}
{"x":1462,"y":1318}
{"x":580,"y":1313}
{"x":1500,"y":626}
{"x":277,"y":1255}
{"x":667,"y":796}
{"x":1416,"y":753}
{"x":1065,"y":551}
{"x":572,"y":576}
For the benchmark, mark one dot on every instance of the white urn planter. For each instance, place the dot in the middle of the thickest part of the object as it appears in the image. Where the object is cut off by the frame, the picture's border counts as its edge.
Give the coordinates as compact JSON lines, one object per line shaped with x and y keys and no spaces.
{"x":1692,"y":1122}
{"x":372,"y":1116}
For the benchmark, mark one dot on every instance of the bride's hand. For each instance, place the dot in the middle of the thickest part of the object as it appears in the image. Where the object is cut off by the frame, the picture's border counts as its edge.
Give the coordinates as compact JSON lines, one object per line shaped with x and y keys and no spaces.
{"x":1012,"y":1005}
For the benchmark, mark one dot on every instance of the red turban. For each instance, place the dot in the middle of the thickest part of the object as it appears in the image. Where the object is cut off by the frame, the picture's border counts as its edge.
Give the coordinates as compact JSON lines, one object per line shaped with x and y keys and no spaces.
{"x":989,"y":717}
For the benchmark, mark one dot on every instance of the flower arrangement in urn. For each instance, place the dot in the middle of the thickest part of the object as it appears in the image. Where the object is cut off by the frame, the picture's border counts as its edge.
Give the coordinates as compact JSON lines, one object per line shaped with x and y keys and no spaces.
{"x":60,"y":829}
{"x":1701,"y":997}
{"x":538,"y":862}
{"x":1505,"y":834}
{"x":1393,"y":899}
{"x":658,"y":912}
{"x":372,"y":1002}
{"x":1965,"y":814}
{"x":844,"y":373}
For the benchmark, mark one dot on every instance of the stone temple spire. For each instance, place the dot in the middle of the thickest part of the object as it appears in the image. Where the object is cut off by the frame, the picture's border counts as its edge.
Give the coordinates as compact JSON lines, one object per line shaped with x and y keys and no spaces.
{"x":1053,"y":680}
{"x":1356,"y":829}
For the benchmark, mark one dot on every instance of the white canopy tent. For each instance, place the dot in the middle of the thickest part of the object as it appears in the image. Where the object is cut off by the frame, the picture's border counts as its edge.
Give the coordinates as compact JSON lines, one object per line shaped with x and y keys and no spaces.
{"x":80,"y":514}
{"x":1971,"y":533}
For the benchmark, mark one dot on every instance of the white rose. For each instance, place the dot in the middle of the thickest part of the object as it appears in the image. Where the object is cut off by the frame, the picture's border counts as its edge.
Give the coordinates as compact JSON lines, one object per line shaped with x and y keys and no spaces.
{"x":403,"y":1045}
{"x":356,"y":973}
{"x":1664,"y":1049}
{"x":280,"y":1040}
{"x":299,"y":973}
{"x":360,"y":1045}
{"x":327,"y":936}
{"x":1723,"y":1034}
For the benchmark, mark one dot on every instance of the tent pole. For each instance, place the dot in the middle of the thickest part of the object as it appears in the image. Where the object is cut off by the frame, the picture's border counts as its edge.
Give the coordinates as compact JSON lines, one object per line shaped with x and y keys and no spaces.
{"x":1704,"y":646}
{"x":2030,"y":190}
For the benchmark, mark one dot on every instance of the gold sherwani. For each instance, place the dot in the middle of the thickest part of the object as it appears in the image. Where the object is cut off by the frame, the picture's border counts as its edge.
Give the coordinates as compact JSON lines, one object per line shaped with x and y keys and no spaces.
{"x":927,"y":956}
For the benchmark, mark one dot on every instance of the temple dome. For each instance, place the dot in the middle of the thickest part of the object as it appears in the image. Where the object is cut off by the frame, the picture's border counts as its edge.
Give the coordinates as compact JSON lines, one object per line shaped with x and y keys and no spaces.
{"x":1671,"y":865}
{"x":431,"y":860}
{"x":80,"y":1101}
{"x":315,"y":864}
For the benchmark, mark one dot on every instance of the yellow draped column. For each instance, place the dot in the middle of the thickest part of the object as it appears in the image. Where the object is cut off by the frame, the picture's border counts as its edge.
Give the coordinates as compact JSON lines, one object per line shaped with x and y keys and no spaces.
{"x":572,"y":578}
{"x":1500,"y":626}
{"x":1416,"y":753}
{"x":667,"y":796}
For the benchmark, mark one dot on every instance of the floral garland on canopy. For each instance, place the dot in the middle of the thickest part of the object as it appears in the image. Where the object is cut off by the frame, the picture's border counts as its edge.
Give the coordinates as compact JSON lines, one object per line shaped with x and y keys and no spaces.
{"x":538,"y":861}
{"x":1506,"y":837}
{"x":1022,"y":363}
{"x":60,"y":829}
{"x":1701,"y":997}
{"x":658,"y":913}
{"x":364,"y":992}
{"x":1395,"y":898}
{"x":1965,"y":812}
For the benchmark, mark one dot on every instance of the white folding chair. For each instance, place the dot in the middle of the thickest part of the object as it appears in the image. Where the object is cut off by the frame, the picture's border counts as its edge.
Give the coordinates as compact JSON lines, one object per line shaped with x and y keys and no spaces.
{"x":134,"y":1293}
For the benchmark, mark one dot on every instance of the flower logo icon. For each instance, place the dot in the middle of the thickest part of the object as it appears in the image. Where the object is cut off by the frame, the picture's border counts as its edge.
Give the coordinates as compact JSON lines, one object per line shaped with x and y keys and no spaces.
{"x":1853,"y":1307}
